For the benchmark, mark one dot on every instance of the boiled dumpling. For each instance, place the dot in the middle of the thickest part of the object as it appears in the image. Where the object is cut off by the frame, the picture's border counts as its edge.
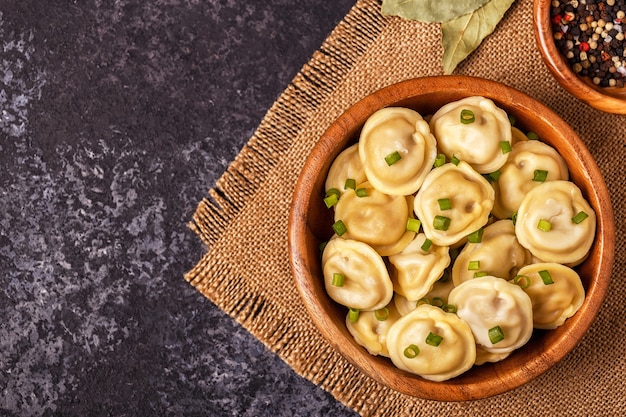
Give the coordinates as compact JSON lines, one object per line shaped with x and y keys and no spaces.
{"x":453,"y":202}
{"x":499,"y":313}
{"x":474,"y":130}
{"x":355,"y":275}
{"x":498,"y":254}
{"x":378,"y":219}
{"x":437,"y":296}
{"x":347,"y":165}
{"x":555,"y":290}
{"x":555,"y":223}
{"x":414,"y":270}
{"x":431,"y":343}
{"x":397,"y":150}
{"x":370,"y":328}
{"x":530,"y":163}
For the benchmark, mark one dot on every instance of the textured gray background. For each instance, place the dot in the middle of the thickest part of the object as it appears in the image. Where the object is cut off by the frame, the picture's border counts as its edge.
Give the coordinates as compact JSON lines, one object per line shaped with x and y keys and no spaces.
{"x":115,"y":120}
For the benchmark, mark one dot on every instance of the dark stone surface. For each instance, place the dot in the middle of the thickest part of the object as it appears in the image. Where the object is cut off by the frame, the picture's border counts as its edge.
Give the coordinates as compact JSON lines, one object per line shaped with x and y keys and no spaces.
{"x":116,"y":117}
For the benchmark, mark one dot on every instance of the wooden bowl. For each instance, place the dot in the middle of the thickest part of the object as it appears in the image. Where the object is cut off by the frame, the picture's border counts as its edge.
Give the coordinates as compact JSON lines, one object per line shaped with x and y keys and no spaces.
{"x":607,"y":99}
{"x":310,"y":224}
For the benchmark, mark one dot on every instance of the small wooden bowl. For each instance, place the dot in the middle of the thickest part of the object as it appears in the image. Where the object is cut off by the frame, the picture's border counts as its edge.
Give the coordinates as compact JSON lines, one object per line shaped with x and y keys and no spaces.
{"x":607,"y":99}
{"x":310,"y":224}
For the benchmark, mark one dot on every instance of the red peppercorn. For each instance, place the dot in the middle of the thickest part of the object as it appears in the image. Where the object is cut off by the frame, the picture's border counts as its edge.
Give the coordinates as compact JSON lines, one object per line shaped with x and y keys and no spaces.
{"x":584,"y":46}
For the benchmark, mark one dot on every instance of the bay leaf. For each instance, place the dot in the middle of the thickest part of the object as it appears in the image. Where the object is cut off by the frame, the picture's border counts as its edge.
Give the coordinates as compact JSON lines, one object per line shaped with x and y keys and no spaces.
{"x":461,"y":36}
{"x":430,"y":11}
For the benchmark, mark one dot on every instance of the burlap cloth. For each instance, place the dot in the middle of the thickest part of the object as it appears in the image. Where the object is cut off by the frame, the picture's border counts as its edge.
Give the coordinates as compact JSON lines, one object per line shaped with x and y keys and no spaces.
{"x":243,"y":220}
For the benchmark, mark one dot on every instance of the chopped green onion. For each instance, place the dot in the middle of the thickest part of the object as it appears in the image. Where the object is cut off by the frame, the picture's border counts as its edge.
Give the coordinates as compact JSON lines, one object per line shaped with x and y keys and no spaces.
{"x":514,"y":218}
{"x":540,"y":175}
{"x":339,"y":227}
{"x":439,"y":160}
{"x":426,"y":245}
{"x":433,"y":339}
{"x":411,"y":351}
{"x":496,"y":335}
{"x":392,"y":158}
{"x":579,"y":217}
{"x":449,"y":308}
{"x":323,"y":246}
{"x":332,"y":191}
{"x":353,"y":315}
{"x":476,"y":237}
{"x":473,"y":266}
{"x":438,"y":301}
{"x":350,"y":184}
{"x":444,"y":204}
{"x":522,"y":280}
{"x":413,"y":225}
{"x":544,"y":225}
{"x":546,"y":277}
{"x":505,"y":146}
{"x":382,"y":314}
{"x":532,"y":136}
{"x":493,"y":177}
{"x":361,"y":192}
{"x":480,"y":274}
{"x":338,"y":279}
{"x":455,"y":160}
{"x":512,"y":119}
{"x":441,"y":223}
{"x":331,"y":200}
{"x":467,"y":116}
{"x":422,"y":301}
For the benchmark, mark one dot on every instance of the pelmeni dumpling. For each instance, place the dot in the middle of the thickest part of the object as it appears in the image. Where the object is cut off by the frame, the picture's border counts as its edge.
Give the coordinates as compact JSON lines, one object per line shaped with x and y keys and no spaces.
{"x":555,"y":290}
{"x":517,"y":136}
{"x":555,"y":223}
{"x":474,"y":130}
{"x":431,"y":343}
{"x":378,"y":219}
{"x":437,"y":296}
{"x":468,"y":199}
{"x":530,"y":163}
{"x":499,"y":313}
{"x":414,"y":270}
{"x":397,"y":150}
{"x":355,"y":275}
{"x":498,"y":254}
{"x":347,"y":165}
{"x":483,"y":356}
{"x":371,"y":327}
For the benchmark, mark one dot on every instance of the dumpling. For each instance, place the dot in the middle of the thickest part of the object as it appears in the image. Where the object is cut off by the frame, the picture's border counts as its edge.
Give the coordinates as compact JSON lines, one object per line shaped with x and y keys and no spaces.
{"x":474,"y":130}
{"x":414,"y":270}
{"x":482,"y":356}
{"x":437,"y":296}
{"x":397,"y":150}
{"x":555,"y":223}
{"x":375,"y":218}
{"x":431,"y":343}
{"x":499,"y":313}
{"x":530,"y":163}
{"x":370,"y":328}
{"x":555,"y":290}
{"x":355,"y":275}
{"x":517,"y":136}
{"x":498,"y":254}
{"x":347,"y":165}
{"x":453,"y":202}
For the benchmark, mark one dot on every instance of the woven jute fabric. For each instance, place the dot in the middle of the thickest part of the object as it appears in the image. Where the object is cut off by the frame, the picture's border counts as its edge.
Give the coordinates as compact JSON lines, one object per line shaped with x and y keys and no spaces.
{"x":243,"y":220}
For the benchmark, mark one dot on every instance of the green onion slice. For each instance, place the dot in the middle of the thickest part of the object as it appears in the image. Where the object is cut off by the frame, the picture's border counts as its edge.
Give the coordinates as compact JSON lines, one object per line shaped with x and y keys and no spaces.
{"x":480,"y":274}
{"x":473,"y":266}
{"x":339,"y":227}
{"x":411,"y":351}
{"x":496,"y":335}
{"x":544,"y":225}
{"x":493,"y":177}
{"x":546,"y":277}
{"x":540,"y":175}
{"x":467,"y":116}
{"x":514,"y":218}
{"x":338,"y":279}
{"x":439,"y":160}
{"x":413,"y":225}
{"x":444,"y":204}
{"x":361,"y":192}
{"x":426,"y":245}
{"x":449,"y":308}
{"x":512,"y":119}
{"x":350,"y":184}
{"x":579,"y":217}
{"x":422,"y":301}
{"x":505,"y":146}
{"x":532,"y":136}
{"x":455,"y":160}
{"x":438,"y":302}
{"x":382,"y":314}
{"x":522,"y":280}
{"x":392,"y":158}
{"x":331,"y":200}
{"x":332,"y":191}
{"x":476,"y":237}
{"x":441,"y":223}
{"x":433,"y":339}
{"x":353,"y":315}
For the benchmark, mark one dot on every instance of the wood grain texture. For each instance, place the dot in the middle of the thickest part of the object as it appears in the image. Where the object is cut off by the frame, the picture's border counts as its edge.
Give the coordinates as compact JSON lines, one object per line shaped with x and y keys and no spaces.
{"x":309,"y":225}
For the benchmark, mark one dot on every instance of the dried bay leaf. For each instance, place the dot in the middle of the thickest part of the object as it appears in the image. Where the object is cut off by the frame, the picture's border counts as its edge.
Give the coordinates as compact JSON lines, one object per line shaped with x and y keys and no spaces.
{"x":430,"y":11}
{"x":461,"y":36}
